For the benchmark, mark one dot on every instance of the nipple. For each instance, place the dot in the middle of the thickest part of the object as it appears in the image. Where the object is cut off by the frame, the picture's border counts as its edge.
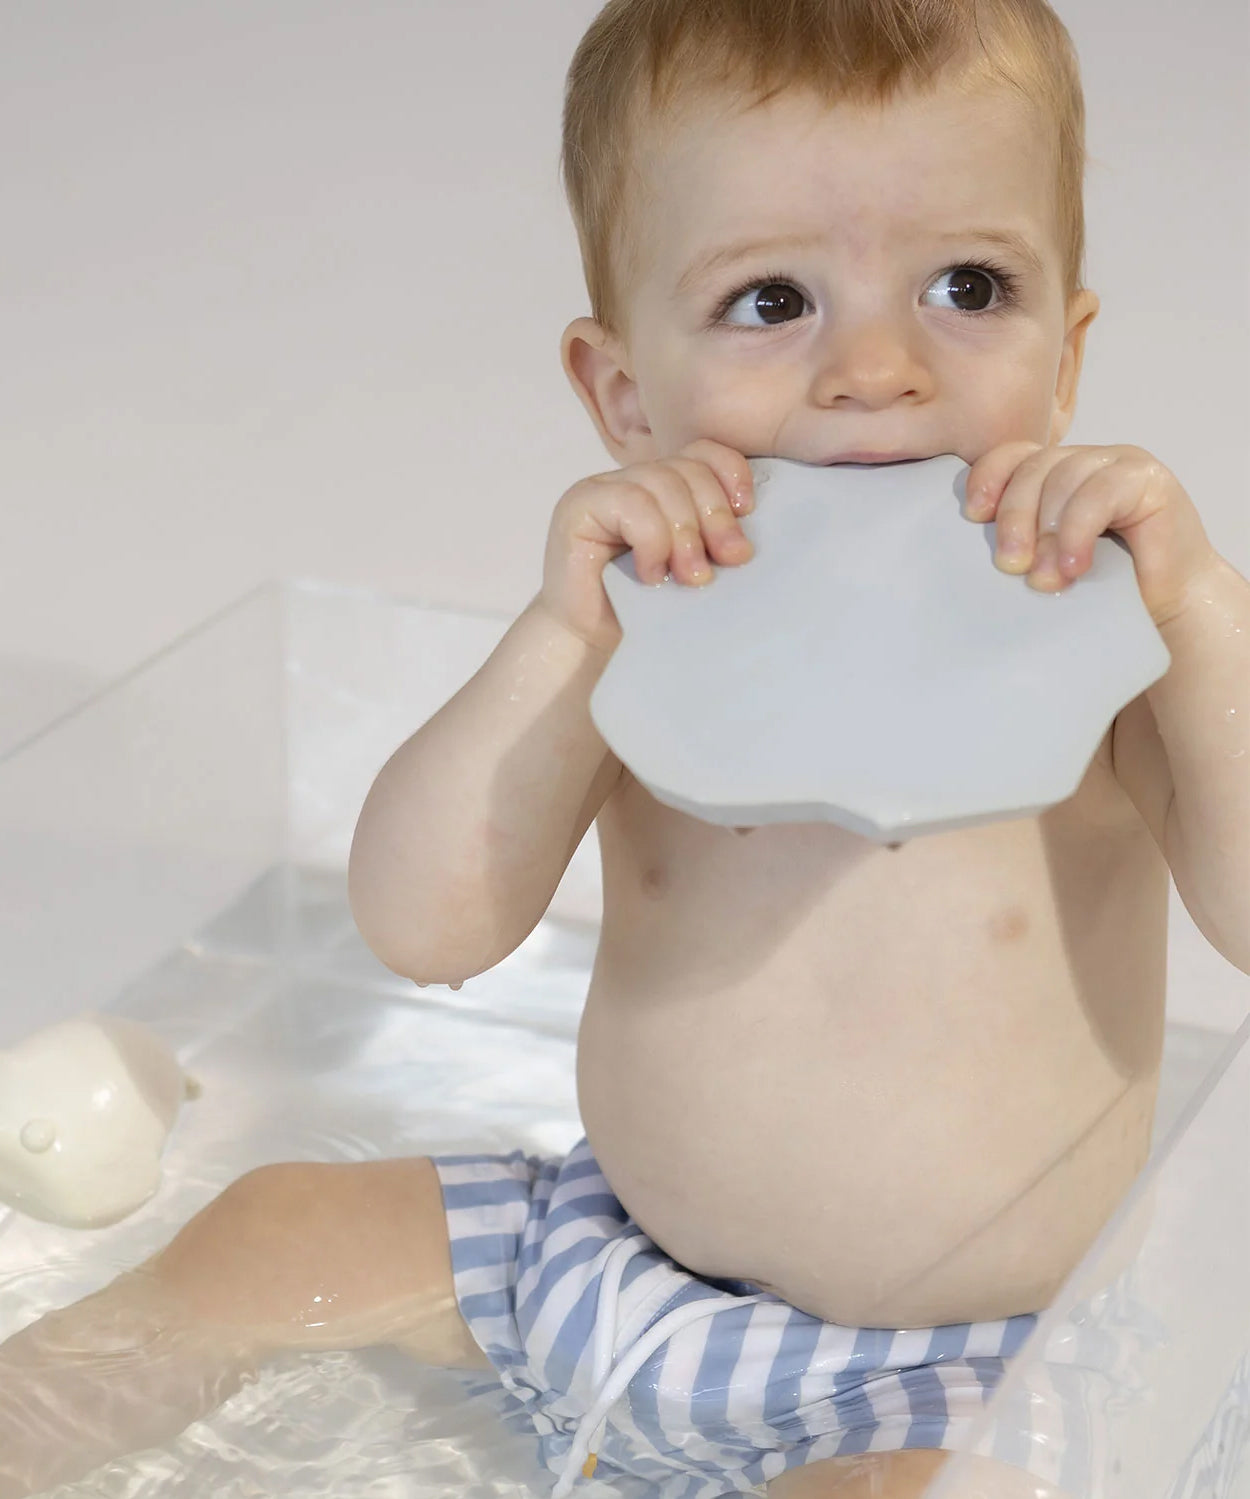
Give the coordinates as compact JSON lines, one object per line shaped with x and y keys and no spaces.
{"x":894,"y":847}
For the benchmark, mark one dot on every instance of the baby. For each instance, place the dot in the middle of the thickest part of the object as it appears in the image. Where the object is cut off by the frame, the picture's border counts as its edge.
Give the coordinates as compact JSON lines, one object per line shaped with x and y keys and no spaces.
{"x":852,"y":1115}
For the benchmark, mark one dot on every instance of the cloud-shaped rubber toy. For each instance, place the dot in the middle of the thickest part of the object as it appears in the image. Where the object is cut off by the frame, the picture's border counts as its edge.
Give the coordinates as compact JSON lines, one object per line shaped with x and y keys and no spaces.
{"x":869,"y":665}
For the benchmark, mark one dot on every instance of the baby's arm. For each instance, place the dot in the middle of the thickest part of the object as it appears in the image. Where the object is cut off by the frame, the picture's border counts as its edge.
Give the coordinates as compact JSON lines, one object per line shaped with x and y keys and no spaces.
{"x":471,"y":823}
{"x":289,"y":1257}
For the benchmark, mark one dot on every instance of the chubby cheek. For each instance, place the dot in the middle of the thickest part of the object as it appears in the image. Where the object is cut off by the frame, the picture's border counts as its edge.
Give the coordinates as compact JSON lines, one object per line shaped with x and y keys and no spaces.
{"x":1021,"y":393}
{"x":1007,"y":410}
{"x":752,"y":414}
{"x":699,"y":389}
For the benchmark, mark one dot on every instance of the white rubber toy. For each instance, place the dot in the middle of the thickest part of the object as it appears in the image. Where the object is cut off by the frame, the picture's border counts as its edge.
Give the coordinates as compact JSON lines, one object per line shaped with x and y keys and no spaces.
{"x":870,"y":665}
{"x":86,"y":1106}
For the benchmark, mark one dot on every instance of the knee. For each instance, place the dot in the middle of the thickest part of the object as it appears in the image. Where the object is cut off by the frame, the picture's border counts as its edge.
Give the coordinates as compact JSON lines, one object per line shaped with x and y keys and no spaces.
{"x":227,"y":1262}
{"x":261,"y":1209}
{"x":295,"y":1252}
{"x":275,"y":1193}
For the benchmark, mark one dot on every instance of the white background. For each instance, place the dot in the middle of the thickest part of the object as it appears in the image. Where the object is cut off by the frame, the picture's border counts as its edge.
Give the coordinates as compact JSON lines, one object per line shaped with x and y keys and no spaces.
{"x":283,"y":283}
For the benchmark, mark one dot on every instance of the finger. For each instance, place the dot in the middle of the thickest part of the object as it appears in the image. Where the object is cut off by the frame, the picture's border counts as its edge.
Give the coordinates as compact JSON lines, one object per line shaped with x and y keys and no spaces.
{"x":724,"y":538}
{"x":732,"y":467}
{"x":1015,"y":538}
{"x":988,"y":476}
{"x":675,"y":538}
{"x":1044,"y":574}
{"x":1089,"y":514}
{"x":628,"y":508}
{"x":1063,"y":481}
{"x":671,"y":482}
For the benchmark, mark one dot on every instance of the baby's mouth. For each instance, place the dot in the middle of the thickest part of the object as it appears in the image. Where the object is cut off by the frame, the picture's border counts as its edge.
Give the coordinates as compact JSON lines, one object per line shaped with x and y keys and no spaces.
{"x":869,"y":462}
{"x":854,"y":460}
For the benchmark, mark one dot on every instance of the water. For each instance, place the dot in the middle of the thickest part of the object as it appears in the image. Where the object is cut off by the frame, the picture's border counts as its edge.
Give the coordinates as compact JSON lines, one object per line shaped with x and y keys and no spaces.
{"x":307,"y":1048}
{"x":1219,"y":1464}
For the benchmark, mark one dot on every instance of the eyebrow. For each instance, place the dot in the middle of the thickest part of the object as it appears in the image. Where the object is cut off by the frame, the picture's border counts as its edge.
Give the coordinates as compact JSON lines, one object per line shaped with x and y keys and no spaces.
{"x":714,"y":260}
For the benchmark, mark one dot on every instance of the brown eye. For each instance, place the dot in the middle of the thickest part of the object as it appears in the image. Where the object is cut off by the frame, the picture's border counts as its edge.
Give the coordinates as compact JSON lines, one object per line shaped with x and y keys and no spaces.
{"x":774,"y":301}
{"x":971,"y":288}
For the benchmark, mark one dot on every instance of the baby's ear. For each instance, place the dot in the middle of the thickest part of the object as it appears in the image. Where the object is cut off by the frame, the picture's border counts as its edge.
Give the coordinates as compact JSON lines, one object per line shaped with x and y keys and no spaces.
{"x":597,"y":369}
{"x":1082,"y":310}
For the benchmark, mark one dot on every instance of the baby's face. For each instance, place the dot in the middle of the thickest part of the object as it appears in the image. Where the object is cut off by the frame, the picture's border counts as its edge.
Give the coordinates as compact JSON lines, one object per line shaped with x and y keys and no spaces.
{"x":873,"y":337}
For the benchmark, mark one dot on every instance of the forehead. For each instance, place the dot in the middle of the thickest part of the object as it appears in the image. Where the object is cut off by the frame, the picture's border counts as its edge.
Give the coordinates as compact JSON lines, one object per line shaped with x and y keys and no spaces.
{"x":931,"y":164}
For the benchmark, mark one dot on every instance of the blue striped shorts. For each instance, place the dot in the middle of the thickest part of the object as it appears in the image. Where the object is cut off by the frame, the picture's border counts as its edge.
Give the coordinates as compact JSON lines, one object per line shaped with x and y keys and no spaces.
{"x":624,"y":1359}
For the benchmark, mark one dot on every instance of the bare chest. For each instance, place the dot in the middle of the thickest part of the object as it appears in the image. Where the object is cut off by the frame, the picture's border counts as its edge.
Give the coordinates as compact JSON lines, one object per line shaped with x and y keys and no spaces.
{"x":813,"y":906}
{"x":989,"y":993}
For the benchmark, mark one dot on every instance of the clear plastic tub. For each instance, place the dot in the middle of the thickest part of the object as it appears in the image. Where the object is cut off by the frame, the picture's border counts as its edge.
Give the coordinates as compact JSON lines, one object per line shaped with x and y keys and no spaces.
{"x":175,"y":850}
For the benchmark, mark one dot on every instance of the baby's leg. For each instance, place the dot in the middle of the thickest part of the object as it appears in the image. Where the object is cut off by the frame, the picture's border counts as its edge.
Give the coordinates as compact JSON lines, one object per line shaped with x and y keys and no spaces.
{"x":904,"y":1475}
{"x":297,"y":1256}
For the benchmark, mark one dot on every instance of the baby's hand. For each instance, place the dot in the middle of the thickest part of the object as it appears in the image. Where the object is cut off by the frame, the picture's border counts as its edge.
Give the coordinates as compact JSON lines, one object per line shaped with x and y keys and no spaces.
{"x":672,"y":511}
{"x":1051,"y":504}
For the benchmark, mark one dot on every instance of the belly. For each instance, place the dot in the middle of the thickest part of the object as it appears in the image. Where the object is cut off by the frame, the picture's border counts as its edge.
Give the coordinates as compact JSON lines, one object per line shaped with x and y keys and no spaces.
{"x":898,"y":1089}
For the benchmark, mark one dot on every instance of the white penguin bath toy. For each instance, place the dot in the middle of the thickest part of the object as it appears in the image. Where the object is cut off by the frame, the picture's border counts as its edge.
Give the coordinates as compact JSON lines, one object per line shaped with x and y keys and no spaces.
{"x":86,"y":1106}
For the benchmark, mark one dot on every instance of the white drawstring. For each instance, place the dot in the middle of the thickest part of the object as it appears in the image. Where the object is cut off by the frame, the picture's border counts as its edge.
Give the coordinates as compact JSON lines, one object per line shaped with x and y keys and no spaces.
{"x":610,"y":1382}
{"x":605,"y":1317}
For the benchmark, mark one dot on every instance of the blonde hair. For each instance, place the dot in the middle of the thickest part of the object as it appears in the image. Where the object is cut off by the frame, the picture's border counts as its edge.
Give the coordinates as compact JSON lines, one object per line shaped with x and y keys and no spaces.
{"x":643,"y":63}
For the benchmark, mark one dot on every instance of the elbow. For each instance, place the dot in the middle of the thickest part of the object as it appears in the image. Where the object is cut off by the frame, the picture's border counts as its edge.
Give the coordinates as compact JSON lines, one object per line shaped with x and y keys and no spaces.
{"x":407,"y":957}
{"x":389,"y":939}
{"x":423,"y":947}
{"x":424,"y":971}
{"x":387,"y":936}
